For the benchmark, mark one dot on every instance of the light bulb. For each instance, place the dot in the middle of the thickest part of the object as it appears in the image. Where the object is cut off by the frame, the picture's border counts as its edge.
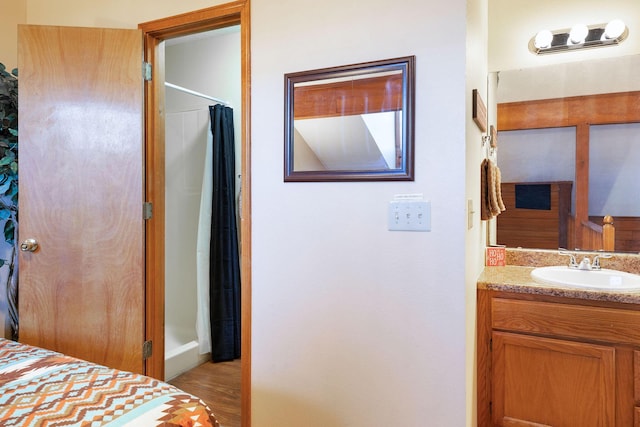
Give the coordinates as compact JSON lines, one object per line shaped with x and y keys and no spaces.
{"x":543,"y":39}
{"x":578,"y":34}
{"x":614,"y":29}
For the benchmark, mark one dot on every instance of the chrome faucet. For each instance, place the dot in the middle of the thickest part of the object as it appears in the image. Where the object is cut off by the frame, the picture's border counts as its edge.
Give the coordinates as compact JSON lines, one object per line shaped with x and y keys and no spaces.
{"x":586,"y":263}
{"x":596,"y":261}
{"x":572,"y":257}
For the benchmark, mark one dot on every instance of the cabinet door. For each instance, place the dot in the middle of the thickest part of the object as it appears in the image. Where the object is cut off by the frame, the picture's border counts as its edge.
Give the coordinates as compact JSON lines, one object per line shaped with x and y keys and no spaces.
{"x":549,"y":382}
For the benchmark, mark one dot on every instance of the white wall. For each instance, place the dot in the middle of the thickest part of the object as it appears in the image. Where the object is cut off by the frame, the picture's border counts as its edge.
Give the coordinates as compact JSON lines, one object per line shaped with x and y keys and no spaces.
{"x":589,"y":77}
{"x":208,"y":63}
{"x":512,"y":23}
{"x":352,"y":324}
{"x":476,"y":235}
{"x":108,"y":14}
{"x":614,"y":148}
{"x":12,"y":13}
{"x":539,"y":155}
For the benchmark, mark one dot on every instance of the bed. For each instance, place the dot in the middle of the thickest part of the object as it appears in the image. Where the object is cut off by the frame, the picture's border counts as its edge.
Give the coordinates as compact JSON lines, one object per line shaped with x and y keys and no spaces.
{"x":40,"y":387}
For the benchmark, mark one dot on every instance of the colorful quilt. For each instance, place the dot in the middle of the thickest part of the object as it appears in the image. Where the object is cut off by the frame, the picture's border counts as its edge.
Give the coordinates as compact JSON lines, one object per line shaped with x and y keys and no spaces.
{"x":43,"y":388}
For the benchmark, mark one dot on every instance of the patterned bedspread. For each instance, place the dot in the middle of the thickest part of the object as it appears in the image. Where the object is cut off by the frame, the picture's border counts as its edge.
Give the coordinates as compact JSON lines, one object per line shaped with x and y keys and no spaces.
{"x":42,"y":388}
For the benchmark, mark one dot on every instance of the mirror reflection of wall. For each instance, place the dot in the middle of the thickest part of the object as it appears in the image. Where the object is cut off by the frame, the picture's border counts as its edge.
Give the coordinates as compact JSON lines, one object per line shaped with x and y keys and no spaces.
{"x":549,"y":155}
{"x":351,"y":123}
{"x":607,"y":75}
{"x":353,"y":142}
{"x":614,"y":161}
{"x":538,"y":155}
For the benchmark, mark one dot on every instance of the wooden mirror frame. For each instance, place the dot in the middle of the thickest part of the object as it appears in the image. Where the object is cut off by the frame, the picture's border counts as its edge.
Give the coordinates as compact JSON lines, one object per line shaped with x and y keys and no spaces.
{"x":341,"y":102}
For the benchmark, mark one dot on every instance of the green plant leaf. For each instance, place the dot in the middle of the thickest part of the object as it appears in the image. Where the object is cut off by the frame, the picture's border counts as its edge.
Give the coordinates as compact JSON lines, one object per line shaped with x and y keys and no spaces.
{"x":8,"y":152}
{"x":5,"y":187}
{"x":9,"y":230}
{"x":13,"y":191}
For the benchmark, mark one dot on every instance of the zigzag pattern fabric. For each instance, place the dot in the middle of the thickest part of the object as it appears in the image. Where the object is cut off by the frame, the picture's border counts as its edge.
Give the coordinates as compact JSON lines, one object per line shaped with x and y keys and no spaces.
{"x":39,"y":387}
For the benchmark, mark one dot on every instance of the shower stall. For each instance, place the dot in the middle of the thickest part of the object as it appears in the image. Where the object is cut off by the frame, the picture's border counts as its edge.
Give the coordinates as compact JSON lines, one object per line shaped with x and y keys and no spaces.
{"x":186,"y":136}
{"x":208,"y":66}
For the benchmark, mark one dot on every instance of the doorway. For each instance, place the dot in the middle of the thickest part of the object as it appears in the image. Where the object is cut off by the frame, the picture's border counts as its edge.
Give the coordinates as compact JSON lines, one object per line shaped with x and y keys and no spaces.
{"x":201,"y":70}
{"x":156,"y":33}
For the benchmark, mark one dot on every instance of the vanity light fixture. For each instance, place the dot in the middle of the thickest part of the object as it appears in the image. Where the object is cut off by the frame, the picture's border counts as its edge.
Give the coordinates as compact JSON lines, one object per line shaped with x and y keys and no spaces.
{"x":578,"y":34}
{"x":579,"y":37}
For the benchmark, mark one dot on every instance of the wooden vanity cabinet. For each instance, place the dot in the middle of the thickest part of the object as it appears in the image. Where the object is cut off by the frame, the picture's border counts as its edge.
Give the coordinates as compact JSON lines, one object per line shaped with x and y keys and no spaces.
{"x":552,"y":361}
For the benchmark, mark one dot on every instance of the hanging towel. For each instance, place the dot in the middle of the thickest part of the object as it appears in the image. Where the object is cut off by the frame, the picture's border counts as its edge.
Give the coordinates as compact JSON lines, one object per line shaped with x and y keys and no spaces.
{"x":485,"y":212}
{"x":499,"y":190}
{"x":492,"y":179}
{"x":491,"y":203}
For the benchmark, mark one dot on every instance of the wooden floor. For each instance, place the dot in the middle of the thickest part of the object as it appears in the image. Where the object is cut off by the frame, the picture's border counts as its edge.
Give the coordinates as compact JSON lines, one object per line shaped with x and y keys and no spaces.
{"x":218,"y":384}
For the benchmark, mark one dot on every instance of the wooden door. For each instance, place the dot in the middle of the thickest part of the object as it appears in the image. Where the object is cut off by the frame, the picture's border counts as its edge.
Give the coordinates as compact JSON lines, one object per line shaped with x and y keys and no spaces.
{"x":549,"y":382}
{"x":81,"y":192}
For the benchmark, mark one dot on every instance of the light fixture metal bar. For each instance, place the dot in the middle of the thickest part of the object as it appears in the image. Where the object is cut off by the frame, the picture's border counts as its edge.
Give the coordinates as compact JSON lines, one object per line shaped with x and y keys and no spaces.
{"x":561,"y":43}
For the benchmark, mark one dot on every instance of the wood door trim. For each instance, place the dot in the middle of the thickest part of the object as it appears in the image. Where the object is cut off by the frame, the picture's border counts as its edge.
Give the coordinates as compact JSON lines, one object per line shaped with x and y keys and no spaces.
{"x":155,"y":32}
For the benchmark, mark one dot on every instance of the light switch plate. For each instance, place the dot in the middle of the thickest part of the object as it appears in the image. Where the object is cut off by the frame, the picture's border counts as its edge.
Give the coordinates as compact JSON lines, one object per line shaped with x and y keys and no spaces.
{"x":409,"y":215}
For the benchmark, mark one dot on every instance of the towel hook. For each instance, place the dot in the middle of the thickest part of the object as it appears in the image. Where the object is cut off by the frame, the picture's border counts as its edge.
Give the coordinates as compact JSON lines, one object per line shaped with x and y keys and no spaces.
{"x":487,"y":145}
{"x":490,"y":140}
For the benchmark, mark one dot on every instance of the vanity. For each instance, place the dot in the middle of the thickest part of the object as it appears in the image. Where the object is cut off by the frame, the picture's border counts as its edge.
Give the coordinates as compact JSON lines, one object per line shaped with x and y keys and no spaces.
{"x":550,"y":355}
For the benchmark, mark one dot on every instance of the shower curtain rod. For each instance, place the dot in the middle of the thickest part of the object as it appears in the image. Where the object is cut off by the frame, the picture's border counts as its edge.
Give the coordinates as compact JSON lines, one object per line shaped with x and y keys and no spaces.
{"x":193,"y":92}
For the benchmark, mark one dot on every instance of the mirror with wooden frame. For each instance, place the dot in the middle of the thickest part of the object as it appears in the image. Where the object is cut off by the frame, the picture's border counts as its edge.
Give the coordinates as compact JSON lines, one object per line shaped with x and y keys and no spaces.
{"x":353,"y":122}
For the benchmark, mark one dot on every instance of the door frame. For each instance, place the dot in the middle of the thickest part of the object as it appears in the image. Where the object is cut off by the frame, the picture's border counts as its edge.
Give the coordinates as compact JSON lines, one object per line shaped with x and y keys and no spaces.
{"x":154,"y":34}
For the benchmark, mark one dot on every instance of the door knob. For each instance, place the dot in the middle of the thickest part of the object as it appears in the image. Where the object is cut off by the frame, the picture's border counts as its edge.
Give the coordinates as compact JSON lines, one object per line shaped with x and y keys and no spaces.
{"x":29,"y":245}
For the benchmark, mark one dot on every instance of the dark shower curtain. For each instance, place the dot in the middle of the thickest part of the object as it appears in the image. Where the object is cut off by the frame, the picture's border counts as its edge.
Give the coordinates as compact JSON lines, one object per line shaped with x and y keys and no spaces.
{"x":224,"y":272}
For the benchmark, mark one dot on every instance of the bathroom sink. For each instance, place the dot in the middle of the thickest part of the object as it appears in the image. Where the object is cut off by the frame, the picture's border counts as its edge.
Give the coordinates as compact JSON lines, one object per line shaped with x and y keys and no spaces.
{"x":591,"y":279}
